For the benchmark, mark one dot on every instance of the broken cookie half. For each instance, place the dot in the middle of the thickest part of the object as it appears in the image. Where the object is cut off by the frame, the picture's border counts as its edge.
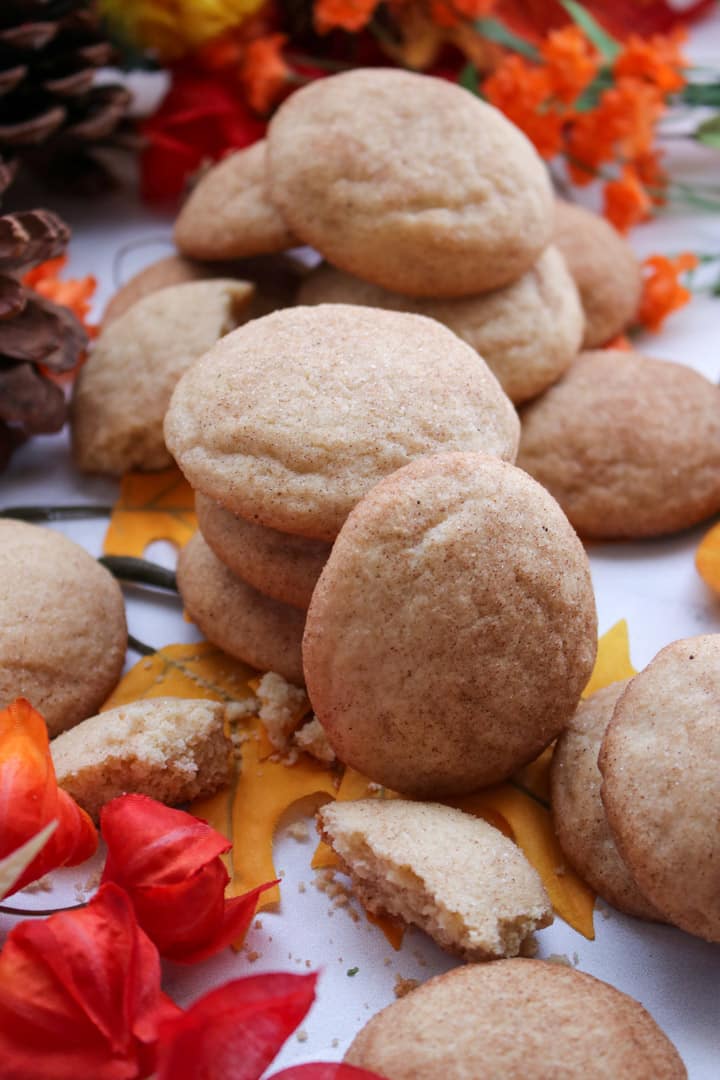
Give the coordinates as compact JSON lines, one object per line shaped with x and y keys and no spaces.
{"x":453,"y":875}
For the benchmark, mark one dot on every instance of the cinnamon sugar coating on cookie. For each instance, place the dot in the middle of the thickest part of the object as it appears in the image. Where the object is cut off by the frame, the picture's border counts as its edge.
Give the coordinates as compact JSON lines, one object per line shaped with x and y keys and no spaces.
{"x":660,"y":761}
{"x":409,"y":182}
{"x":63,"y":631}
{"x":228,"y":215}
{"x":289,"y":420}
{"x":516,"y":1020}
{"x":453,"y":628}
{"x":579,"y":816}
{"x":450,"y":873}
{"x":528,"y":332}
{"x":629,"y":446}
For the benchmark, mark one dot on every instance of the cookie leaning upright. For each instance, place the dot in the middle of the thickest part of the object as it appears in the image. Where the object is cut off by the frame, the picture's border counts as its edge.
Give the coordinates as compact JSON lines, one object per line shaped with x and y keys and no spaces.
{"x":453,"y":628}
{"x":63,"y":634}
{"x":410,"y":182}
{"x":291,"y":419}
{"x":660,"y":761}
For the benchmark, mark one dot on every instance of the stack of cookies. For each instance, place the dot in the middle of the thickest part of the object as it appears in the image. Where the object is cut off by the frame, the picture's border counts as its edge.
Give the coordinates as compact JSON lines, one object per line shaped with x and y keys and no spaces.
{"x":283,"y":426}
{"x":421,"y":198}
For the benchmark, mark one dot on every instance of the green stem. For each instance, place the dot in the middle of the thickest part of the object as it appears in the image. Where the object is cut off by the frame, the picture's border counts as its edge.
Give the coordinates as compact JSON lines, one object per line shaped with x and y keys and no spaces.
{"x":139,"y":571}
{"x":39,"y":913}
{"x":140,"y":647}
{"x":55,"y":513}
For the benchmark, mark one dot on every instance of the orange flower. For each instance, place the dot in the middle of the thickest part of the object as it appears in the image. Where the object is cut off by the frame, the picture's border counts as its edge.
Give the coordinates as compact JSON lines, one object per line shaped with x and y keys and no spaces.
{"x":657,"y":59}
{"x":349,"y":15}
{"x":572,"y":63}
{"x":75,"y":293}
{"x":30,"y":797}
{"x":629,"y":112}
{"x":652,"y":174}
{"x":264,"y":73}
{"x":662,"y":292}
{"x":590,"y":143}
{"x":626,"y":200}
{"x":522,"y":91}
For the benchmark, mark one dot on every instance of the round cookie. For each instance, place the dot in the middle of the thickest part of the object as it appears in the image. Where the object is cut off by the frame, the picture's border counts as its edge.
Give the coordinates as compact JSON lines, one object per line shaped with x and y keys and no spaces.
{"x":453,"y":628}
{"x":292,"y":418}
{"x":515,"y":1020}
{"x":605,"y":268}
{"x":628,"y":446}
{"x":172,"y":270}
{"x":528,"y":333}
{"x":409,"y":182}
{"x":228,"y":214}
{"x":277,"y":564}
{"x":578,"y":813}
{"x":660,"y":761}
{"x":63,"y":634}
{"x":275,"y":278}
{"x":236,"y":617}
{"x":122,"y":392}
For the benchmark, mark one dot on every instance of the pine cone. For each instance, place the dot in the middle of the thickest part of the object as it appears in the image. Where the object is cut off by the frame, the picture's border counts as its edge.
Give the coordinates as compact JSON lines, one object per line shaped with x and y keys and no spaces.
{"x":51,"y":114}
{"x":36,"y":335}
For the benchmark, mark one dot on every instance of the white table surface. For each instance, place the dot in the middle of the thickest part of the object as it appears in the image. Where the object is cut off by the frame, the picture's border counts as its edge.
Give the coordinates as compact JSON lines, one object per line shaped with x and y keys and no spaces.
{"x":653,"y":585}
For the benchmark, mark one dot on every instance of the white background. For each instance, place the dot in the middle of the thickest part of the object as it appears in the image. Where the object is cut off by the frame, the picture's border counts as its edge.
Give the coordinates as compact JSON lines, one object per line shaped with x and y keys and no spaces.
{"x":653,"y":585}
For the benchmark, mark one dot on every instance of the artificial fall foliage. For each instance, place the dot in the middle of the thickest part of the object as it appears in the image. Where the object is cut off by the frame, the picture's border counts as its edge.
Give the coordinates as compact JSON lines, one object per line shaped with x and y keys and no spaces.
{"x":30,"y":799}
{"x":168,"y":862}
{"x":264,"y":787}
{"x":151,"y":506}
{"x":707,"y":559}
{"x":80,"y":995}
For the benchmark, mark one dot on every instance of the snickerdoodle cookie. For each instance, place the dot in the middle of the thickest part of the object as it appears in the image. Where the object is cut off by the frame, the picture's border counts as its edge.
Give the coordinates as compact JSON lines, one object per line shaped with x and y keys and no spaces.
{"x":528,"y":332}
{"x":277,"y":564}
{"x":63,"y":634}
{"x":122,"y":392}
{"x":235,"y":617}
{"x":453,"y":627}
{"x":628,"y":446}
{"x":289,"y":420}
{"x":578,"y":813}
{"x":660,"y":762}
{"x":172,"y":749}
{"x":515,"y":1020}
{"x":453,"y":875}
{"x":409,"y":182}
{"x":275,"y":277}
{"x":229,"y":215}
{"x":605,"y":268}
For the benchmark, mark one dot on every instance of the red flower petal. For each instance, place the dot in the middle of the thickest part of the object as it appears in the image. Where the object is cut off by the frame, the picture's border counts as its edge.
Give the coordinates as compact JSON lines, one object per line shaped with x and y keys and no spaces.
{"x":30,"y":797}
{"x":235,"y":1031}
{"x":168,"y":862}
{"x":80,"y":995}
{"x":152,"y":844}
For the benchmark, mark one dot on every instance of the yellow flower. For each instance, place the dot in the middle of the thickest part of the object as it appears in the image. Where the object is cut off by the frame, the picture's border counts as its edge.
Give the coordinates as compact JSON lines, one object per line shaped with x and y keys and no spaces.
{"x":171,"y":28}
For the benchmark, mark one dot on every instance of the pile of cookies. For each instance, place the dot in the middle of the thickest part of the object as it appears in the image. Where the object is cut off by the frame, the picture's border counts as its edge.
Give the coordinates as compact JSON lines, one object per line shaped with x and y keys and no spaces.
{"x":282,"y":428}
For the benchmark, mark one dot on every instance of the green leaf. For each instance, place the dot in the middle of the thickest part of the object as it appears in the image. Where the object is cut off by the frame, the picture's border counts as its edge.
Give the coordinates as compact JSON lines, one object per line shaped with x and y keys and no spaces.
{"x":708,"y":132}
{"x":494,"y":30}
{"x":591,"y":94}
{"x":606,"y":45}
{"x":701,"y":94}
{"x":468,"y":78}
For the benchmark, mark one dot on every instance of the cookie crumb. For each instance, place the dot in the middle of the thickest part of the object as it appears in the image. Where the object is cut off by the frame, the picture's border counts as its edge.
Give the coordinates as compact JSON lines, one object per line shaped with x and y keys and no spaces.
{"x":253,"y":955}
{"x":298,"y":831}
{"x":301,"y":887}
{"x":404,"y":986}
{"x":43,"y":884}
{"x":301,"y":1035}
{"x":558,"y":958}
